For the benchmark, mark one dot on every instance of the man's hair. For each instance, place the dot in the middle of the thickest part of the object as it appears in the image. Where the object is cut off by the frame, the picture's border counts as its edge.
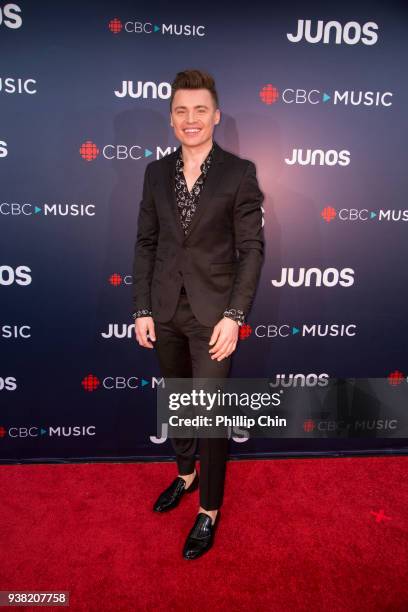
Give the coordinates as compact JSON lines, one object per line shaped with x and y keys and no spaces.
{"x":194,"y":79}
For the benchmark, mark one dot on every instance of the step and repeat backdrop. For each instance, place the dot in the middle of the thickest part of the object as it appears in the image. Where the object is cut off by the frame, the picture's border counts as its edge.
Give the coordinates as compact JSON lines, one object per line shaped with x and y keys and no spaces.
{"x":314,"y":94}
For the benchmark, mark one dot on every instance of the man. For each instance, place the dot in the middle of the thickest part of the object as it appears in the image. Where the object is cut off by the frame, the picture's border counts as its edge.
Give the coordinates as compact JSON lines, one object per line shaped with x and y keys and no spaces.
{"x":198,"y":257}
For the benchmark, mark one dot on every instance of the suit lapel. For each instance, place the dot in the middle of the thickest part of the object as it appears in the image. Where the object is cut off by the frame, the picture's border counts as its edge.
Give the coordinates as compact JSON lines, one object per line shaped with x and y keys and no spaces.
{"x":211,"y":182}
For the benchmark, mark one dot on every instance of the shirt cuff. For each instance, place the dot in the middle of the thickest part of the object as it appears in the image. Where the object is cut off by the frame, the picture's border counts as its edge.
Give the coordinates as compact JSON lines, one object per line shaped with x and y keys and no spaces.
{"x":142,"y":312}
{"x":235,"y":314}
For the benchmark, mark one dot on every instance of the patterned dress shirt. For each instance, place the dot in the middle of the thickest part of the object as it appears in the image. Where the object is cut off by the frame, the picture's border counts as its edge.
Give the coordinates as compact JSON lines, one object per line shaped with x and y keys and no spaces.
{"x":187,"y":203}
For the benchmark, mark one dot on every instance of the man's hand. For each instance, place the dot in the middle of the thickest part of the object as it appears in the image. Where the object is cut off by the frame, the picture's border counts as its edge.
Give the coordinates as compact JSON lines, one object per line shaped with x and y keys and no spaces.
{"x":225,"y":336}
{"x":144,"y":326}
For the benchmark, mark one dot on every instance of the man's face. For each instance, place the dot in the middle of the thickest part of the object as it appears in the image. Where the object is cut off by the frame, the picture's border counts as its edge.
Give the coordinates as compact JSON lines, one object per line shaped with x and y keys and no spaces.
{"x":193,"y":108}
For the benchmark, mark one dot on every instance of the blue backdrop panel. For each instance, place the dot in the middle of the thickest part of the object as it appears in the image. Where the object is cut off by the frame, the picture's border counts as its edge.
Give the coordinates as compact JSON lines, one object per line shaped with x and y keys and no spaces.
{"x":315,"y":95}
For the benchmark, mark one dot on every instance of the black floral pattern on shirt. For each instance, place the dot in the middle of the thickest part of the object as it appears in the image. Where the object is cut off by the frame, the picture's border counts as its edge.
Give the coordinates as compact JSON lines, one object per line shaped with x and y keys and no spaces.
{"x":187,"y":201}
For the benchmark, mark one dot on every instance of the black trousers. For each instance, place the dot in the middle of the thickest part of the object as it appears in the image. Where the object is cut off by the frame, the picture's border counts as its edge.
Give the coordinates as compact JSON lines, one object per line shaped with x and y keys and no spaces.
{"x":182,"y":349}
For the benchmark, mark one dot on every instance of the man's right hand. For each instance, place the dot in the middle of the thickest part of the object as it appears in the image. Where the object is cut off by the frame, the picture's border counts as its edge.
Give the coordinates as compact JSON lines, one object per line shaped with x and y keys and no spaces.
{"x":144,"y":326}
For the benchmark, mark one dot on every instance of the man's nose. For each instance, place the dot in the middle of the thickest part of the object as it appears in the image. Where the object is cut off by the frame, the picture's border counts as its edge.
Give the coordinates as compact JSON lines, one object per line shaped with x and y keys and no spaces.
{"x":191,"y":117}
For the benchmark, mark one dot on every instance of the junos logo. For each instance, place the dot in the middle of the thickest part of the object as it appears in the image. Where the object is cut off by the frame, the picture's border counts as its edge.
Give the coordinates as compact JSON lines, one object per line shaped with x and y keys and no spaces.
{"x":9,"y":16}
{"x":350,"y":33}
{"x":318,"y":156}
{"x":8,"y":384}
{"x":116,"y":330}
{"x":20,"y":275}
{"x":330,"y":277}
{"x":300,"y":380}
{"x":163,"y":435}
{"x":148,"y":89}
{"x":3,"y":148}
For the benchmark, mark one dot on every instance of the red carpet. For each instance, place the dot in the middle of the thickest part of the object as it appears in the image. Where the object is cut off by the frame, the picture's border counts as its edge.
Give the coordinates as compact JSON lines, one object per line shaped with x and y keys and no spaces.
{"x":295,"y":535}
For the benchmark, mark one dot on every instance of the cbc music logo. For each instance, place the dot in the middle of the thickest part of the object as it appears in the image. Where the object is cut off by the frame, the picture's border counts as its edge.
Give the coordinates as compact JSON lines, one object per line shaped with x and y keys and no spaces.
{"x":89,"y":151}
{"x":26,"y":209}
{"x":91,"y":383}
{"x":244,"y":332}
{"x":20,"y":86}
{"x":304,"y":330}
{"x":313,"y":425}
{"x":270,"y":94}
{"x":20,"y":275}
{"x":315,"y":330}
{"x":10,"y":17}
{"x":8,"y":383}
{"x":116,"y":279}
{"x":329,"y":277}
{"x":15,"y":332}
{"x":137,"y":27}
{"x":351,"y":33}
{"x":318,"y":157}
{"x":39,"y":431}
{"x":329,"y":214}
{"x":148,"y":89}
{"x":396,"y":378}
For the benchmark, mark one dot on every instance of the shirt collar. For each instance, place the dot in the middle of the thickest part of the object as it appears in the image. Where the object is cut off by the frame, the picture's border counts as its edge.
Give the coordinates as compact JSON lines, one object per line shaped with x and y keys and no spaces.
{"x":205,"y":163}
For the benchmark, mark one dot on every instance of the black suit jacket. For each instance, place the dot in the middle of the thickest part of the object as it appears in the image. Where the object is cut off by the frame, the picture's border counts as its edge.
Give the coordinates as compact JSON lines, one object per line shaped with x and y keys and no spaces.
{"x":219,"y":259}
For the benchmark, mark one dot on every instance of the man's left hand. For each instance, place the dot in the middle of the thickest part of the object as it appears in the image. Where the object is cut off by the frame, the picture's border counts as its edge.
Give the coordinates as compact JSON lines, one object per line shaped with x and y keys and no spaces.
{"x":225,"y":336}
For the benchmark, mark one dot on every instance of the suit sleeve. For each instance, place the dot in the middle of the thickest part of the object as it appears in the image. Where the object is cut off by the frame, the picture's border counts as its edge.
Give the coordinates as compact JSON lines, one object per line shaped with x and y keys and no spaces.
{"x":249,"y":240}
{"x":145,"y":247}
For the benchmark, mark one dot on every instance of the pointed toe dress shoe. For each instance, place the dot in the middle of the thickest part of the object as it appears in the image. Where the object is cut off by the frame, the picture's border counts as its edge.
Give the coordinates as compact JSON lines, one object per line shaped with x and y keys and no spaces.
{"x":171,"y":496}
{"x":201,"y":537}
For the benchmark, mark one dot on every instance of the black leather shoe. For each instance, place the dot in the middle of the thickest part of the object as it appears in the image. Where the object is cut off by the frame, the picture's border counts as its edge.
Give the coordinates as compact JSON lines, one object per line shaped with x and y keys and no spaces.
{"x":171,"y":496}
{"x":201,"y":537}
